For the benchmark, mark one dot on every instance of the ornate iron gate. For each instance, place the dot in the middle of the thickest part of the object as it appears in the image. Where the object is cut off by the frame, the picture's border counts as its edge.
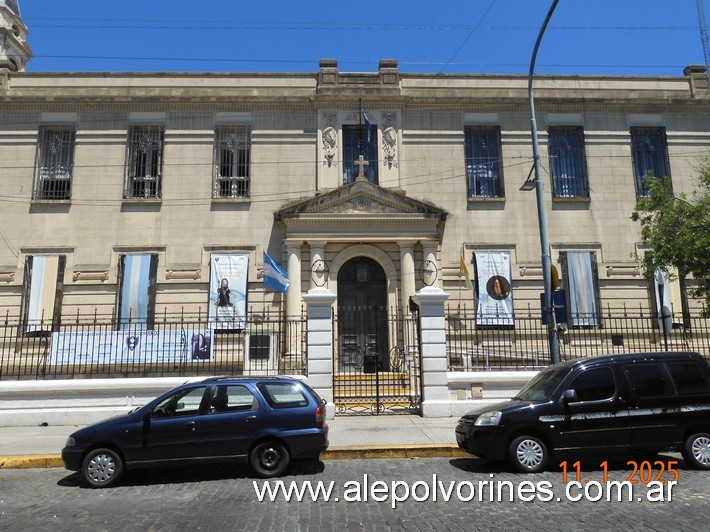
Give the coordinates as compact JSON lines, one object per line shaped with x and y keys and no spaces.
{"x":376,"y":367}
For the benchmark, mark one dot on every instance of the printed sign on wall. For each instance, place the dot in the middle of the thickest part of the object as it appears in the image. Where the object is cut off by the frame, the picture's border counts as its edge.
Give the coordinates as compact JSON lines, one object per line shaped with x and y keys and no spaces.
{"x":228,"y":289}
{"x":495,"y":295}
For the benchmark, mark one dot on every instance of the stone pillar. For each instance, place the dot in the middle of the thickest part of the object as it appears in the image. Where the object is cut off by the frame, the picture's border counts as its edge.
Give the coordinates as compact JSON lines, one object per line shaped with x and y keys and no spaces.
{"x":408,"y":286}
{"x":430,"y":255}
{"x":319,"y":310}
{"x":317,"y":254}
{"x":436,"y":401}
{"x":293,"y":296}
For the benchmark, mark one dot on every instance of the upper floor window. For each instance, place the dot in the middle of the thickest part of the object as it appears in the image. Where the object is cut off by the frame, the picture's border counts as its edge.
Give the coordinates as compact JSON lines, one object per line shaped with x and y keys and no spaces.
{"x":568,"y":162}
{"x":144,"y":162}
{"x":650,"y":154}
{"x":232,"y":155}
{"x":357,"y":140}
{"x":55,"y":163}
{"x":484,"y":171}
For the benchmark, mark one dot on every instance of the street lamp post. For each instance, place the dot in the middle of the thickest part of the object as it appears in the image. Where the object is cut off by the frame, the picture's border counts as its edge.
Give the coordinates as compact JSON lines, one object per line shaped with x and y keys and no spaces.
{"x":542,"y":220}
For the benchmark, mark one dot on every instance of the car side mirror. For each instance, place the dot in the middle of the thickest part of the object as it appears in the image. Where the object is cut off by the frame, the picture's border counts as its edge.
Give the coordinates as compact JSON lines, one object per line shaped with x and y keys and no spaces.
{"x":568,"y":396}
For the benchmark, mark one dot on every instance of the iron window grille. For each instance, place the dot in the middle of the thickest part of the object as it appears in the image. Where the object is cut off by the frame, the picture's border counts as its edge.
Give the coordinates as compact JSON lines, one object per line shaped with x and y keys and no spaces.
{"x":232,"y":157}
{"x":144,"y":162}
{"x":55,"y":163}
{"x":649,"y":146}
{"x":484,"y":171}
{"x":353,"y":137}
{"x":568,"y":162}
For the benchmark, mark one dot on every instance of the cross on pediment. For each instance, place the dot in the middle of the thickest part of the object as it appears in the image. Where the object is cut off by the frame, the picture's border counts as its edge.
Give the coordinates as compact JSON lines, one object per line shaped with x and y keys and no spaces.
{"x":361,"y":163}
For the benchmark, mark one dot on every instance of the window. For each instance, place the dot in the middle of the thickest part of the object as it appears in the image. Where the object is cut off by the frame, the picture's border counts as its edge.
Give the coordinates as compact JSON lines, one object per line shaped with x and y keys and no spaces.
{"x":355,"y":137}
{"x":280,"y":395}
{"x":144,"y":162}
{"x":484,"y":169}
{"x":581,"y":279}
{"x":594,"y":385}
{"x":648,"y":380}
{"x":137,"y":284}
{"x":689,"y":378}
{"x":232,"y":156}
{"x":55,"y":163}
{"x":650,"y":154}
{"x":568,"y":162}
{"x":233,"y":399}
{"x":182,"y":403}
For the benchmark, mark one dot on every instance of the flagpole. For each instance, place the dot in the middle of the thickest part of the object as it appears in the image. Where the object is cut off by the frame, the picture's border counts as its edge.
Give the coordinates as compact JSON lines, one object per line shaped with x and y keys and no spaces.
{"x":362,"y":154}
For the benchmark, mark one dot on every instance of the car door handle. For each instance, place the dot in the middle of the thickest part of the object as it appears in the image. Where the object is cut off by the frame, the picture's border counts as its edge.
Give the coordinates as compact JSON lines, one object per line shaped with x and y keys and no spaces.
{"x":251,"y":418}
{"x":190,"y":424}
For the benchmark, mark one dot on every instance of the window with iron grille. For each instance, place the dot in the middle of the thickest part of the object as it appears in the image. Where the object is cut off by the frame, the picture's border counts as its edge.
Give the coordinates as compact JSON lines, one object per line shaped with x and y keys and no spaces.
{"x":232,"y":156}
{"x":55,"y":163}
{"x":144,"y":162}
{"x":568,"y":162}
{"x":357,"y":140}
{"x":484,"y":171}
{"x":650,"y":153}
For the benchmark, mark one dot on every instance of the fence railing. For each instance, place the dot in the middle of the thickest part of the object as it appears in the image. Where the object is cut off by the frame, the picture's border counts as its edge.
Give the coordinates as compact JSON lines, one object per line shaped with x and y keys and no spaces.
{"x":97,"y":346}
{"x":473,"y":346}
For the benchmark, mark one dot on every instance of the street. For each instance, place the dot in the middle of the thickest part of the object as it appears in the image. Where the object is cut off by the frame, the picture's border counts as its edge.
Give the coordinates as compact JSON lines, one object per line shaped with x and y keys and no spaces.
{"x":225,"y":498}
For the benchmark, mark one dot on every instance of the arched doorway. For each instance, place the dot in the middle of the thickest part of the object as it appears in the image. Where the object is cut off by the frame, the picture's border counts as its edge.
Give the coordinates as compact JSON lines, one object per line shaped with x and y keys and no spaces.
{"x":362,"y":316}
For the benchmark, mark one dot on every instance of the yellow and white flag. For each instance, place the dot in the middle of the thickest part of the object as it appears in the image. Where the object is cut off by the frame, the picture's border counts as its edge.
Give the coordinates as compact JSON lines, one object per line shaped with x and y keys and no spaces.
{"x":463,"y":270}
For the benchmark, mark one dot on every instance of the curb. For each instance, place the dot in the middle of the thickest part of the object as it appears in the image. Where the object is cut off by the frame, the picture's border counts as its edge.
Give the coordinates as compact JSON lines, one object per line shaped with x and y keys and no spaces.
{"x":333,"y":453}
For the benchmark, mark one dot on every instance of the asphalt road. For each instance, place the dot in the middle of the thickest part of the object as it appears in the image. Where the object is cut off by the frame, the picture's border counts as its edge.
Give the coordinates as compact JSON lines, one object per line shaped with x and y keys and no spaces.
{"x":224,"y":498}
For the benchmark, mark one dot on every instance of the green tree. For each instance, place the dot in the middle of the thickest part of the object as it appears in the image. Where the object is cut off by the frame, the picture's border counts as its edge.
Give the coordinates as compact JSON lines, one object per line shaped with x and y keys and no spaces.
{"x":676,"y":229}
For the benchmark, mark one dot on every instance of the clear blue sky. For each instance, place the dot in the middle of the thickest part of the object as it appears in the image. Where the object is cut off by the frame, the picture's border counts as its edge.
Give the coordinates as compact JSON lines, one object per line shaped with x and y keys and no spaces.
{"x":488,"y":36}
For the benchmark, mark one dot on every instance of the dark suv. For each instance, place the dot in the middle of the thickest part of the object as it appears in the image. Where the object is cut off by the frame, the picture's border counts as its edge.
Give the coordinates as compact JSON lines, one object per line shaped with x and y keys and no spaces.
{"x":636,"y":403}
{"x":265,"y":421}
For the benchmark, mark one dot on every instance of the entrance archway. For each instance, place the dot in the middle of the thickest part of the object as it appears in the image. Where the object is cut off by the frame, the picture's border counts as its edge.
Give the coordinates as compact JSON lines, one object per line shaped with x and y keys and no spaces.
{"x":362,"y":316}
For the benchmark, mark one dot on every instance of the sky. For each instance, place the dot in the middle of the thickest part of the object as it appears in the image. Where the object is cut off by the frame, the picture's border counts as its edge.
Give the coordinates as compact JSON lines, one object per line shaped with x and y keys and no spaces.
{"x":615,"y":37}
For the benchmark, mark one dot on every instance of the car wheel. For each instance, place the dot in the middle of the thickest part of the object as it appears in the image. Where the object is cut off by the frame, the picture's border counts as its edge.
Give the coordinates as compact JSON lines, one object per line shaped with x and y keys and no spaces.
{"x":528,"y":454}
{"x":102,"y":468}
{"x":269,"y":459}
{"x":696,"y":450}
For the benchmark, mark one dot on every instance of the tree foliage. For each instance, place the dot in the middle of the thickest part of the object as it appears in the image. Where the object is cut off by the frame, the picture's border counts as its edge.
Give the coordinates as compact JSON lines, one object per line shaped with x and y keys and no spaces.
{"x":676,"y":231}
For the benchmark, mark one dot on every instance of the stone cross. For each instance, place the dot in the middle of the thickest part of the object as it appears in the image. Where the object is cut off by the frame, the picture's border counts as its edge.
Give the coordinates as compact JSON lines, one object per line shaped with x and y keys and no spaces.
{"x":361,"y":163}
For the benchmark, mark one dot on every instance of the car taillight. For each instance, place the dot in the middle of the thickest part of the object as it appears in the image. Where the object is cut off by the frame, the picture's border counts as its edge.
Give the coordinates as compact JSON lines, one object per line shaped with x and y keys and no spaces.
{"x":320,"y":417}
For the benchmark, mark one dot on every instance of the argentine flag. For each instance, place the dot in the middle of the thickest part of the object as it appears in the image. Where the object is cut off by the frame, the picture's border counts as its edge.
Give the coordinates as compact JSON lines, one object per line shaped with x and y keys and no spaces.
{"x":274,"y":277}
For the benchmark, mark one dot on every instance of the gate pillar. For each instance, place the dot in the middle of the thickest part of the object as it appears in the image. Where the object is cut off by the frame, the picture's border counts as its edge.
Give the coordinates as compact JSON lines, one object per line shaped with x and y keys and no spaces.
{"x":432,"y":339}
{"x":319,"y":311}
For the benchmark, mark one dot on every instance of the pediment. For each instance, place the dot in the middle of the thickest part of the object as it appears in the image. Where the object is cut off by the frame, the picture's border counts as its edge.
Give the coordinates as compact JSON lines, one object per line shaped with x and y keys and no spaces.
{"x":360,"y":197}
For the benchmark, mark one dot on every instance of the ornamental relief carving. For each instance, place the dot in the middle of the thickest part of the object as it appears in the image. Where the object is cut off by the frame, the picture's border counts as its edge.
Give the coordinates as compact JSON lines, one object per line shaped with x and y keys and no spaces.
{"x":329,"y":144}
{"x":389,"y":146}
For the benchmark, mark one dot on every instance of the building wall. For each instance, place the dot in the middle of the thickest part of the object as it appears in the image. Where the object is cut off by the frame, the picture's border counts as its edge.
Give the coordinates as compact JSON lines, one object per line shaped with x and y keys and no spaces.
{"x":287,"y":114}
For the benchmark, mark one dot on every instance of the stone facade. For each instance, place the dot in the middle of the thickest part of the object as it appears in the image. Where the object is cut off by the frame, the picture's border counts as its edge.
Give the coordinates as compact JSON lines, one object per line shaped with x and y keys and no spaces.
{"x":298,"y":209}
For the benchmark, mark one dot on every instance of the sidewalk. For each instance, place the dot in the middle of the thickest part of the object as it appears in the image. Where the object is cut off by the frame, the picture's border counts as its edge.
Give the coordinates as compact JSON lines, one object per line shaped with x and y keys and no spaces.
{"x":350,"y":437}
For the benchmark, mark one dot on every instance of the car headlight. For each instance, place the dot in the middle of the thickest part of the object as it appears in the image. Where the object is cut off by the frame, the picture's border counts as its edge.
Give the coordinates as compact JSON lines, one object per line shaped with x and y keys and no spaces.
{"x":488,"y":419}
{"x":70,"y":442}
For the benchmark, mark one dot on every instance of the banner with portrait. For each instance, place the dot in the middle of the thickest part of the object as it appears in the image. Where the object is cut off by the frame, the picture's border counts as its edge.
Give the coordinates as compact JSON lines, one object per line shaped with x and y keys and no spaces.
{"x":228,"y":291}
{"x":136,"y":346}
{"x":495,"y":295}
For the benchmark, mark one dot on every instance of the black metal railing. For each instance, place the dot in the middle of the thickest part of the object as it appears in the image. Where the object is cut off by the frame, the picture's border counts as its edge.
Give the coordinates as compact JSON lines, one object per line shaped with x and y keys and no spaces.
{"x":97,"y":346}
{"x":473,"y":346}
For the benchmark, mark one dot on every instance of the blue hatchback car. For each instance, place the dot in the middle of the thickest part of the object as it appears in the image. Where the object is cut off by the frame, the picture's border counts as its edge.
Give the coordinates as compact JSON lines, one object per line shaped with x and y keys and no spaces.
{"x":264,"y":421}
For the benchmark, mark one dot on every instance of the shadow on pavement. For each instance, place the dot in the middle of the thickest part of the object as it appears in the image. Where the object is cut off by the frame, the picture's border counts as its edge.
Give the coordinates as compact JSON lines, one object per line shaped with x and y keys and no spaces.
{"x":195,"y":473}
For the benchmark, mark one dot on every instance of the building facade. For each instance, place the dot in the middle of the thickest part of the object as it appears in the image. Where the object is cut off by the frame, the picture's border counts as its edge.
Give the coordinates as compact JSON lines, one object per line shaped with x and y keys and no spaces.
{"x":120,"y":192}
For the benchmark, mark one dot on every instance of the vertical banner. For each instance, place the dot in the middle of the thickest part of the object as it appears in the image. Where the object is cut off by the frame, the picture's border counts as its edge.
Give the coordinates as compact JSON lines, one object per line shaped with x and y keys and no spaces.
{"x":42,"y":293}
{"x":228,"y":289}
{"x":495,"y":298}
{"x":582,"y":297}
{"x":135,"y":290}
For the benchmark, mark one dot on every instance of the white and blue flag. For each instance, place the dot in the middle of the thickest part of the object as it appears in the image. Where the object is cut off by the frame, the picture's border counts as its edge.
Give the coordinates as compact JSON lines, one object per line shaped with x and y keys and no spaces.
{"x":274,"y":277}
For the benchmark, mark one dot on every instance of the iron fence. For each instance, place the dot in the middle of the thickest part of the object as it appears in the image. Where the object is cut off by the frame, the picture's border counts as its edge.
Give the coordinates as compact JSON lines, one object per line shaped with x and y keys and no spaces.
{"x":473,"y":346}
{"x":98,"y":346}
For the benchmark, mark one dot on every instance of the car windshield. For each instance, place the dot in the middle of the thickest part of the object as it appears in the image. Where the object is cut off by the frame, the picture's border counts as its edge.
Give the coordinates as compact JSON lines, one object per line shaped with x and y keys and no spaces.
{"x":541,"y":387}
